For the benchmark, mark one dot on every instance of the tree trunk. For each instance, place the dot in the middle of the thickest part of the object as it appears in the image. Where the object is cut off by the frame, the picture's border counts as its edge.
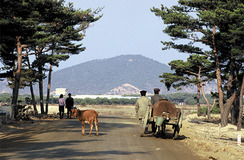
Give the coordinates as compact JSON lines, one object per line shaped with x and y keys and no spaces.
{"x":226,"y":110}
{"x":40,"y":70}
{"x":17,"y":76}
{"x":234,"y":108}
{"x":206,"y":100}
{"x":223,"y":111}
{"x":198,"y":101}
{"x":48,"y":88}
{"x":203,"y":94}
{"x":224,"y":118}
{"x":240,"y":107}
{"x":213,"y":105}
{"x":221,"y":96}
{"x":41,"y":90}
{"x":33,"y":101}
{"x":234,"y":112}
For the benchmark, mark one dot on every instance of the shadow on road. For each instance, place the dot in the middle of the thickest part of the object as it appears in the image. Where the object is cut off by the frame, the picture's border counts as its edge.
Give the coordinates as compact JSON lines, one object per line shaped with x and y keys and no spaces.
{"x":115,"y":117}
{"x":168,"y":135}
{"x":60,"y":150}
{"x":105,"y":123}
{"x":42,"y":142}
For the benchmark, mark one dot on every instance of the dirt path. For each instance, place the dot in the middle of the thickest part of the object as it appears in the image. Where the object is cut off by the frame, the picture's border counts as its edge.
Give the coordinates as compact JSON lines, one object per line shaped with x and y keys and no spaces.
{"x":118,"y":139}
{"x":206,"y":139}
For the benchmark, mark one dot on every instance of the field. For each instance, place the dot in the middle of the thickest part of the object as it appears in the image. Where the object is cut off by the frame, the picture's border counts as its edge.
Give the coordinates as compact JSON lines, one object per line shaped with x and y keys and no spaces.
{"x":116,"y":109}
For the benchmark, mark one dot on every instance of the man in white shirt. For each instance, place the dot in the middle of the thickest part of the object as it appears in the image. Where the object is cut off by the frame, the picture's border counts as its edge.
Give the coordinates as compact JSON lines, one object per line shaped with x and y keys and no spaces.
{"x":142,"y":110}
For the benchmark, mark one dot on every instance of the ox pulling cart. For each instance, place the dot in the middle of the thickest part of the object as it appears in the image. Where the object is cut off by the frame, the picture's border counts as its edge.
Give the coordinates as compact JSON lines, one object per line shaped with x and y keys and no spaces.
{"x":165,"y":113}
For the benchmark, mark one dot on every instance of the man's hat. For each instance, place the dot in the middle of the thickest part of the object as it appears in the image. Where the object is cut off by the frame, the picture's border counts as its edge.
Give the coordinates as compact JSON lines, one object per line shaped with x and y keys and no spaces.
{"x":156,"y":89}
{"x":143,"y":91}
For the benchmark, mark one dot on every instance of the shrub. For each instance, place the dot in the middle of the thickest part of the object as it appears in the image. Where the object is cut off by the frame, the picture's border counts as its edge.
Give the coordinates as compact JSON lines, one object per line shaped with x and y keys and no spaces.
{"x":215,"y":110}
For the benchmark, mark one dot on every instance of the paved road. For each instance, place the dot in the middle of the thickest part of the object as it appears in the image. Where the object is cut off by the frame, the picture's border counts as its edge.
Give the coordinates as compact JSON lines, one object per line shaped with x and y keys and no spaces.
{"x":118,"y":140}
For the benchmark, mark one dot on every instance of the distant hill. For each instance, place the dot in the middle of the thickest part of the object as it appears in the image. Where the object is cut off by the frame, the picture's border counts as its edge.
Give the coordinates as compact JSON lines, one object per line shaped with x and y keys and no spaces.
{"x":125,"y":74}
{"x":102,"y":76}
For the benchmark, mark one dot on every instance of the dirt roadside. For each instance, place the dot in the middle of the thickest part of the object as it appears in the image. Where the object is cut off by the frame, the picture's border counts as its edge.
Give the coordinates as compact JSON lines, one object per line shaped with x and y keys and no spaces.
{"x":206,"y":138}
{"x":212,"y":141}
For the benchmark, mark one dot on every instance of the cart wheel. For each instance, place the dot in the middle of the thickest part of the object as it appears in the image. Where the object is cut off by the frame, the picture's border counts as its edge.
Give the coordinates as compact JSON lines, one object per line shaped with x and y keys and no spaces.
{"x":153,"y":127}
{"x":176,"y":132}
{"x":163,"y":130}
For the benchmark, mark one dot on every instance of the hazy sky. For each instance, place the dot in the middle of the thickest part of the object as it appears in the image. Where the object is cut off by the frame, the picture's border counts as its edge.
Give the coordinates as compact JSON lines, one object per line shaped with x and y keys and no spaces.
{"x":127,"y":27}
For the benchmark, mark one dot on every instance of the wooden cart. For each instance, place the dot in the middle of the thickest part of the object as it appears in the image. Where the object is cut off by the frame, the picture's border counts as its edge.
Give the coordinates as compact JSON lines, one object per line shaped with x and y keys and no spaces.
{"x":158,"y":119}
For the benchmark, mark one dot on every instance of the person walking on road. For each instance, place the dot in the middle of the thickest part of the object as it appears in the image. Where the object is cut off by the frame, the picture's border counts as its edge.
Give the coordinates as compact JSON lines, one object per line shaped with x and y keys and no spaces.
{"x":143,"y":105}
{"x":61,"y":104}
{"x":69,"y":105}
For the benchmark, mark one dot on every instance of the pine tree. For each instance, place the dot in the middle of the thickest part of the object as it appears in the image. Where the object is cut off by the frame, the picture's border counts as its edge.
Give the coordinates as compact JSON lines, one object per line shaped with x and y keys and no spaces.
{"x":217,"y":24}
{"x":58,"y":38}
{"x":195,"y":71}
{"x":17,"y":27}
{"x":49,"y":29}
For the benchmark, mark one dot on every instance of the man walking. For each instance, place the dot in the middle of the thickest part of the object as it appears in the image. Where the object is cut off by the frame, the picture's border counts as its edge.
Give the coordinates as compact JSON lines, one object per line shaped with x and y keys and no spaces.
{"x":69,"y":105}
{"x":142,"y":110}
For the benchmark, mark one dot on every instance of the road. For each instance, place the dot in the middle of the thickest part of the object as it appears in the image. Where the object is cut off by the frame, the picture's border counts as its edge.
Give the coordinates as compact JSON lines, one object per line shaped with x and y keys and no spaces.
{"x":118,"y":140}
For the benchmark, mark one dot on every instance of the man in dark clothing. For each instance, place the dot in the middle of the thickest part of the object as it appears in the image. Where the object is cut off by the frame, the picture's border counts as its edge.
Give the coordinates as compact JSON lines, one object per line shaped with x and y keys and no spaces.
{"x":155,"y":99}
{"x":69,"y":105}
{"x":156,"y":96}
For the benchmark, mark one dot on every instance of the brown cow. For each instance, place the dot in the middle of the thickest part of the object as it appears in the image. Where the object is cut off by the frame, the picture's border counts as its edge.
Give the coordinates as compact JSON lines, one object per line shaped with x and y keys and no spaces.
{"x":86,"y":116}
{"x":167,"y":110}
{"x":165,"y":106}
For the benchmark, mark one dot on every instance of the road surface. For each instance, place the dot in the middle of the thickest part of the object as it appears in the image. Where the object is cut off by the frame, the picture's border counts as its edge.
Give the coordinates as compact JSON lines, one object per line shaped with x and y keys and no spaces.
{"x":118,"y":139}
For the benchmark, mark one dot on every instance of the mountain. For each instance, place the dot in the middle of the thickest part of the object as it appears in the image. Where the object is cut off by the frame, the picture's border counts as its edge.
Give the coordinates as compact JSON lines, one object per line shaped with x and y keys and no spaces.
{"x":102,"y":76}
{"x":125,"y":74}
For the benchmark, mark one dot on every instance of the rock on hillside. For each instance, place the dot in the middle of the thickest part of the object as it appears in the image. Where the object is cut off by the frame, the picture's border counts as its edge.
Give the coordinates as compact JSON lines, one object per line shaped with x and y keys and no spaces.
{"x":125,"y":89}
